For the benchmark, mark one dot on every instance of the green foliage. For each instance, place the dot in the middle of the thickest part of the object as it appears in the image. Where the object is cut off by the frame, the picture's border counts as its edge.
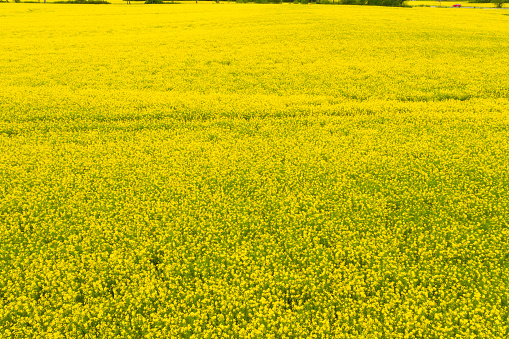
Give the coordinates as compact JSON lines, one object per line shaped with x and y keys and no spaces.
{"x":260,"y":1}
{"x":93,"y":2}
{"x":160,"y":2}
{"x":499,"y":3}
{"x":390,"y":3}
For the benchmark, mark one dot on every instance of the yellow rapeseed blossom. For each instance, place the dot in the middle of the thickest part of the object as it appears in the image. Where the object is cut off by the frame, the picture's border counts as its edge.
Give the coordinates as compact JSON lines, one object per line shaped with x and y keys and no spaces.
{"x":253,"y":171}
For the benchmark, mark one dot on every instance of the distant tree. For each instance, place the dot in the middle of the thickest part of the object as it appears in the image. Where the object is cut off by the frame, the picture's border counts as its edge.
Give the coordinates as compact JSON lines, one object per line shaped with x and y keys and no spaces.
{"x":499,"y":3}
{"x":391,"y":3}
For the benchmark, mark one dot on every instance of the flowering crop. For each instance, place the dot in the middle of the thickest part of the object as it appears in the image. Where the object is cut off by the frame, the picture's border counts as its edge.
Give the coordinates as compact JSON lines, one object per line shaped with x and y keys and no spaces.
{"x":252,"y":171}
{"x":450,"y":4}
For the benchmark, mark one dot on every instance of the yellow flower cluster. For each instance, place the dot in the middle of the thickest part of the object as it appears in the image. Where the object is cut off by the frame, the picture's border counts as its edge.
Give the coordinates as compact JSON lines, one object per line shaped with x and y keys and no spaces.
{"x":253,"y":171}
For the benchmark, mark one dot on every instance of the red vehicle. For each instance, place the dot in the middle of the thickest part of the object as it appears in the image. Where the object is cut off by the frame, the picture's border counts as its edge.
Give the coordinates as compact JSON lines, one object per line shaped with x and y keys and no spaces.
{"x":456,"y":5}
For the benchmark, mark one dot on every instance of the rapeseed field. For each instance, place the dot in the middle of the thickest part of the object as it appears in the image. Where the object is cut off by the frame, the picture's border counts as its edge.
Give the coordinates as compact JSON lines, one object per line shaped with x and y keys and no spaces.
{"x":253,"y":171}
